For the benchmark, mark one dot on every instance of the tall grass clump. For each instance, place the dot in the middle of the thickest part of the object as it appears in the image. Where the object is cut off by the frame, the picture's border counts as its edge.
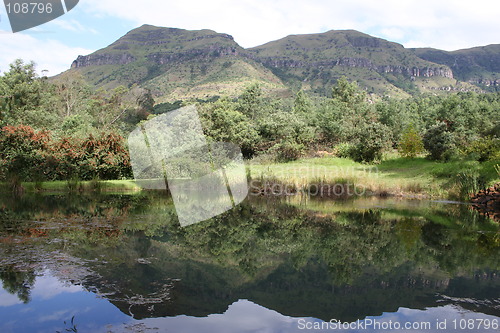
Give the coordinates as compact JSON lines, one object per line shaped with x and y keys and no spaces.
{"x":469,"y":182}
{"x":14,"y":185}
{"x":73,"y":184}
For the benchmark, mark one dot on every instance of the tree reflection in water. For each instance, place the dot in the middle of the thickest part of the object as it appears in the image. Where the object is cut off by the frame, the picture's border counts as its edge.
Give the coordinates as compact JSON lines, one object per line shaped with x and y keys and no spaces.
{"x":321,"y":259}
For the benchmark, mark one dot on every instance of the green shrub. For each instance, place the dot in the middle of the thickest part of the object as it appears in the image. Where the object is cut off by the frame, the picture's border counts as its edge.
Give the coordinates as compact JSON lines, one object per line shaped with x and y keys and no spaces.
{"x":287,"y":151}
{"x":343,"y":150}
{"x":411,"y":142}
{"x":73,"y":184}
{"x":372,"y":139}
{"x":483,"y":149}
{"x":438,"y":141}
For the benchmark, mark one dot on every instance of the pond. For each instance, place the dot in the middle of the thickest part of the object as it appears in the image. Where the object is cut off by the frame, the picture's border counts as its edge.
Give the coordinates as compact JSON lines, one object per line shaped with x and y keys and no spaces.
{"x":122,"y":263}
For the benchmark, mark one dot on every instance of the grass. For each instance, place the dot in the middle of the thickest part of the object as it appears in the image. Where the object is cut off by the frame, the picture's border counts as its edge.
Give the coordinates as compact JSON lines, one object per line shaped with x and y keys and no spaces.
{"x":417,"y":177}
{"x":394,"y":176}
{"x":84,"y":186}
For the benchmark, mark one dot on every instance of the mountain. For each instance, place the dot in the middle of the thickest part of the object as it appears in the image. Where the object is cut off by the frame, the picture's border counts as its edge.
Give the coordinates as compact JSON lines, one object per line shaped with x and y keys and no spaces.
{"x":178,"y":64}
{"x":316,"y":61}
{"x":478,"y":65}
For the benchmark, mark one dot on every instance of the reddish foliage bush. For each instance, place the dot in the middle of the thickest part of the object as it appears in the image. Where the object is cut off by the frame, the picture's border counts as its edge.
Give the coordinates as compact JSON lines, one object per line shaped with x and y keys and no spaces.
{"x":34,"y":156}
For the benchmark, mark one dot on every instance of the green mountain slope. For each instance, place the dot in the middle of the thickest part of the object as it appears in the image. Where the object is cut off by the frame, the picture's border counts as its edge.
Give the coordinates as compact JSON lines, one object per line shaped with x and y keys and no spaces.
{"x":316,"y":61}
{"x":178,"y":64}
{"x":478,"y":65}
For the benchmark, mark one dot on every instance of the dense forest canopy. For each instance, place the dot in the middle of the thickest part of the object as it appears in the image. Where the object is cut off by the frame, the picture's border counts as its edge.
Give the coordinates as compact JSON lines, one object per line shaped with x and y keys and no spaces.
{"x":58,"y":128}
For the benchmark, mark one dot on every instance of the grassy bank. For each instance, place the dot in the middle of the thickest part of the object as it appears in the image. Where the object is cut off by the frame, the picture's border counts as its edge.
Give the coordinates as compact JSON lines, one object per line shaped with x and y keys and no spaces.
{"x":108,"y":186}
{"x":417,"y":177}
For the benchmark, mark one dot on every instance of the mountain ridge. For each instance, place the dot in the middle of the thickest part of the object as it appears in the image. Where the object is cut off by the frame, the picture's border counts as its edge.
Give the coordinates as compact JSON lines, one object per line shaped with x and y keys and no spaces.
{"x":177,"y":64}
{"x":336,"y":50}
{"x":479,"y":65}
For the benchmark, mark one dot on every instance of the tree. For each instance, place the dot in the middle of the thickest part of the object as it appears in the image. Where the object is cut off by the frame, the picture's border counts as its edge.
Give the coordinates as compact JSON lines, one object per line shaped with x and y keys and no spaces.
{"x":397,"y":114}
{"x":104,"y":157}
{"x":250,"y":101}
{"x":222,"y":122}
{"x":438,"y":141}
{"x":108,"y":106}
{"x":372,"y":139}
{"x":346,"y":113}
{"x":4,"y":98}
{"x":26,"y":97}
{"x":73,"y":91}
{"x":17,"y":282}
{"x":281,"y":125}
{"x":347,"y":92}
{"x":302,"y":103}
{"x":288,"y":150}
{"x":288,"y":133}
{"x":138,"y":105}
{"x":411,"y":142}
{"x":145,"y":103}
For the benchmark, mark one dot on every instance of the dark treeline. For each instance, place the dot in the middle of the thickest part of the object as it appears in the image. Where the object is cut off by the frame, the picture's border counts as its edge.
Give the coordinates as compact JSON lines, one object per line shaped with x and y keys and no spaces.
{"x":63,"y":124}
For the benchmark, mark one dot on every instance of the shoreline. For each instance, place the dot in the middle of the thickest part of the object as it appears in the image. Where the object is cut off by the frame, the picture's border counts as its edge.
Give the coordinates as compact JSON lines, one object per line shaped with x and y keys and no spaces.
{"x":329,"y":177}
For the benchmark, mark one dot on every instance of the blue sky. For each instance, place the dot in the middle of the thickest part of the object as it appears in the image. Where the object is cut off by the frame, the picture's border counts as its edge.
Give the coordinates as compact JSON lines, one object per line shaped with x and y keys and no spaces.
{"x":94,"y":24}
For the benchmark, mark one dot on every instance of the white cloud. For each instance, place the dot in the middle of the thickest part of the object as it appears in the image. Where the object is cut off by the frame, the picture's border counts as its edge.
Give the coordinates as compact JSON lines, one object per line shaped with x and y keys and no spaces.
{"x":73,"y":26}
{"x":48,"y":286}
{"x":445,"y":24}
{"x":8,"y":299}
{"x":49,"y":54}
{"x":241,"y":316}
{"x":55,"y":316}
{"x":393,"y":33}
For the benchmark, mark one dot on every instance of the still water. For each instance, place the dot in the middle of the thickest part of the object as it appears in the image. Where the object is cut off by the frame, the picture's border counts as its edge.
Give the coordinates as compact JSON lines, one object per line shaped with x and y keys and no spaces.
{"x":122,"y":263}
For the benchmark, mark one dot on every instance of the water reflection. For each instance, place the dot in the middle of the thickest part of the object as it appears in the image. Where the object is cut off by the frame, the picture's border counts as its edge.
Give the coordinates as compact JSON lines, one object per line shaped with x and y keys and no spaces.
{"x":17,"y":283}
{"x":268,"y":259}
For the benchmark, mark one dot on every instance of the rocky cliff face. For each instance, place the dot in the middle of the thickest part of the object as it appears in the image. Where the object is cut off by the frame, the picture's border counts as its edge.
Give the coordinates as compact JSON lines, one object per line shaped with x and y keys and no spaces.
{"x":283,"y":63}
{"x":163,"y":58}
{"x":485,"y":82}
{"x":161,"y":46}
{"x":103,"y":59}
{"x":160,"y":58}
{"x":320,"y":59}
{"x":479,"y":66}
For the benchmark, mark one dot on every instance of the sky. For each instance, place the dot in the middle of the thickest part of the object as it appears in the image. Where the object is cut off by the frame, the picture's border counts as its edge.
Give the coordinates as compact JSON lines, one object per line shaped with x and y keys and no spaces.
{"x":94,"y":24}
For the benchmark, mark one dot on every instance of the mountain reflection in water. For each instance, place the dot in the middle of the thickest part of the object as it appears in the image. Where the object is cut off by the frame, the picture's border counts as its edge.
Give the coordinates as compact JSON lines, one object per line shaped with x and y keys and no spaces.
{"x":122,"y":263}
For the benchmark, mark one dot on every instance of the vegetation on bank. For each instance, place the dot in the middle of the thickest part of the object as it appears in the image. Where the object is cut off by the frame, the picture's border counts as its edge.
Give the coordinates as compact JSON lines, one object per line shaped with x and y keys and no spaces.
{"x":418,"y":177}
{"x":446,"y":145}
{"x":63,"y":186}
{"x":399,"y":176}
